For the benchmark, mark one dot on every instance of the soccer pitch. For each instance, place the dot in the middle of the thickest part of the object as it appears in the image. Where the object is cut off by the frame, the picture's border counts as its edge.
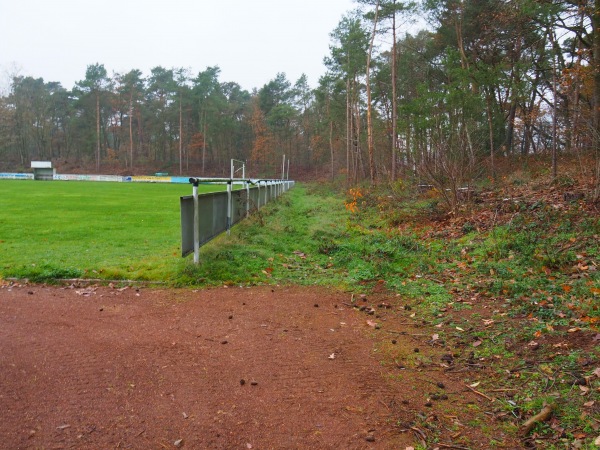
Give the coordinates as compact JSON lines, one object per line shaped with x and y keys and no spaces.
{"x":72,"y":229}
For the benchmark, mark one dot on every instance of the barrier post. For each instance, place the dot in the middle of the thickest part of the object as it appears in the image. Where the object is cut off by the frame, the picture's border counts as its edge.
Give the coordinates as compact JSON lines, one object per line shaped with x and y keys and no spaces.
{"x":229,"y":204}
{"x":266,"y":192}
{"x":196,"y":224}
{"x":247,"y":199}
{"x":247,"y":186}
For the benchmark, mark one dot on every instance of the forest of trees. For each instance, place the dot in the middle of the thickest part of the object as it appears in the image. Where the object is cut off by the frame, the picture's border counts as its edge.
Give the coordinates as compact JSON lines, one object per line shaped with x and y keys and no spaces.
{"x":487,"y":80}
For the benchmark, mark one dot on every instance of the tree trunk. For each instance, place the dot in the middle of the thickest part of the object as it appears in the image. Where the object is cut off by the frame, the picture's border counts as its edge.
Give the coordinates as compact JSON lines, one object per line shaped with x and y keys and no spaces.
{"x":97,"y":132}
{"x":596,"y":102}
{"x":510,"y":128}
{"x":394,"y":99}
{"x":596,"y":65}
{"x":180,"y":133}
{"x":459,"y":38}
{"x":370,"y":139}
{"x":204,"y":144}
{"x":331,"y":149}
{"x":359,"y":165}
{"x":131,"y":132}
{"x":575,"y":99}
{"x":491,"y":134}
{"x":554,"y":118}
{"x":348,"y":130}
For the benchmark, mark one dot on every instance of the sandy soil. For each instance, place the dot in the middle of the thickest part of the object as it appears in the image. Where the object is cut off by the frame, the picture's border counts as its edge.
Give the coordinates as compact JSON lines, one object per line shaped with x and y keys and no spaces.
{"x":261,"y":368}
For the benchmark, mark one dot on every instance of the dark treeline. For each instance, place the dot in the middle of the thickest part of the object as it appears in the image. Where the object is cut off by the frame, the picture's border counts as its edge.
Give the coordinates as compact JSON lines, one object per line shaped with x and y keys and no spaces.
{"x":489,"y":79}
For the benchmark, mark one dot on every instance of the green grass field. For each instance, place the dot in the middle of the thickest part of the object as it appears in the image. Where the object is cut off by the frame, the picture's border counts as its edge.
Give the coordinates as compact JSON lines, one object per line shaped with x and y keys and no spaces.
{"x":91,"y":230}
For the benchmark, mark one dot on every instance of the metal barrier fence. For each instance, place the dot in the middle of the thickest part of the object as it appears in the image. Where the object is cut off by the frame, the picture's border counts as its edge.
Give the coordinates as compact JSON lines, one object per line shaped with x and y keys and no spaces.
{"x":205,"y":216}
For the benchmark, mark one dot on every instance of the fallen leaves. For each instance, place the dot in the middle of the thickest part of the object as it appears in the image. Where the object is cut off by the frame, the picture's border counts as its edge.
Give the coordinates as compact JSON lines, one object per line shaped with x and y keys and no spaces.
{"x":302,"y":255}
{"x":584,"y":390}
{"x":86,"y":292}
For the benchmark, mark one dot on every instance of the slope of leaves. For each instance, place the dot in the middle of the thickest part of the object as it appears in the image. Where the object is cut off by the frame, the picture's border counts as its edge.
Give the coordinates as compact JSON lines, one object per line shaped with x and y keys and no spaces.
{"x":509,"y":290}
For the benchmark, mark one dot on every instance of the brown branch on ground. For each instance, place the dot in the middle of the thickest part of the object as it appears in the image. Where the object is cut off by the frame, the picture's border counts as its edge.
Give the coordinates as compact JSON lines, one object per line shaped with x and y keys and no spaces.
{"x":543,"y":415}
{"x":457,"y":447}
{"x":481,"y":394}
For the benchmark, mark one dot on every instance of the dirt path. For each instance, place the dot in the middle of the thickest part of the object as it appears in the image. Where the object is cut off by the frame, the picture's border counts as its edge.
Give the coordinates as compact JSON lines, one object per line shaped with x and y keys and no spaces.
{"x":225,"y":368}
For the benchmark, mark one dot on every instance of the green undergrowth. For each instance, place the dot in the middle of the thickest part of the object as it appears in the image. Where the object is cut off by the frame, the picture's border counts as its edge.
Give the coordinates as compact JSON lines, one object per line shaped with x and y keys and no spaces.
{"x":308,"y":237}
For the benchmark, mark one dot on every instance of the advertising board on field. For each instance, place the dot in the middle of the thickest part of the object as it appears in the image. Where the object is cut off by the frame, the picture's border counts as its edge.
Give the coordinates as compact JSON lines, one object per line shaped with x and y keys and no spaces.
{"x":150,"y":179}
{"x":75,"y":177}
{"x":16,"y":176}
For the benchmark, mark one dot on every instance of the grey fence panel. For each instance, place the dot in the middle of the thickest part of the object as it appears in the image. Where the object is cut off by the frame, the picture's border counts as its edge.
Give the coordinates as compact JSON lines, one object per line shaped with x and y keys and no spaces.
{"x":254,"y":202}
{"x":212,"y":219}
{"x":186,"y":207}
{"x":238,"y":199}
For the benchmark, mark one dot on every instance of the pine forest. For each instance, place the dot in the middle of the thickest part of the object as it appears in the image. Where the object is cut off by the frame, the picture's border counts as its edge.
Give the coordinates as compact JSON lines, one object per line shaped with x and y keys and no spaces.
{"x":482,"y":83}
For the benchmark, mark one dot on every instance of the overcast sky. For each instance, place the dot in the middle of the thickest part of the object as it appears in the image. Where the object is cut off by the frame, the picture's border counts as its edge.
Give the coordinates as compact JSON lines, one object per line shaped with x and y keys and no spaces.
{"x":250,"y":40}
